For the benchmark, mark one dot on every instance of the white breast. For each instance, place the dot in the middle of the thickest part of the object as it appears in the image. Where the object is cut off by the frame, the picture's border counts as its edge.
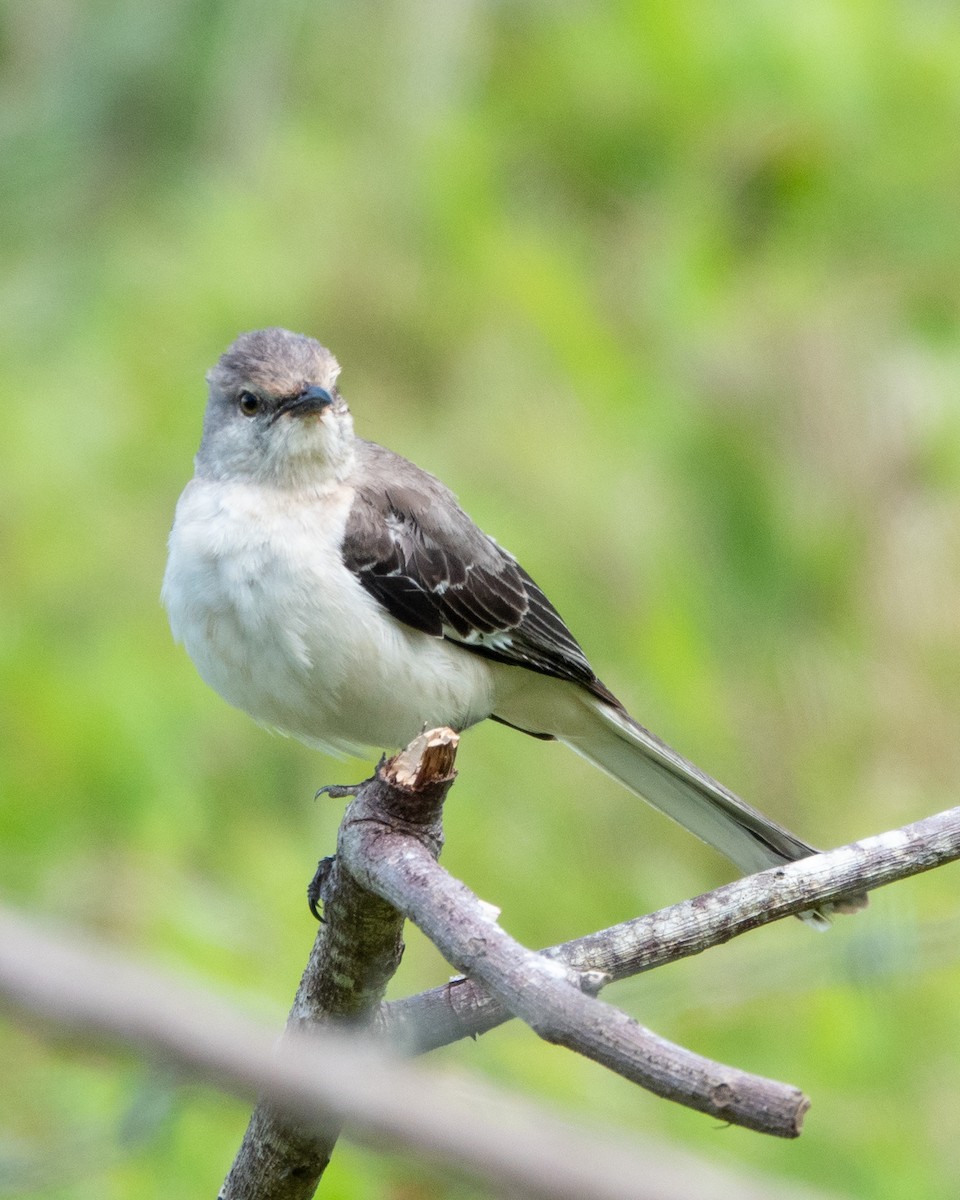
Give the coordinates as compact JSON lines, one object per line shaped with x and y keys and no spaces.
{"x":257,"y":591}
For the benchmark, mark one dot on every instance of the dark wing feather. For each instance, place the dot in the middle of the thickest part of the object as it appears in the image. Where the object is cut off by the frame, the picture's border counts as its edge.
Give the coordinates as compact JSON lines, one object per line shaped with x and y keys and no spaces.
{"x":414,"y":549}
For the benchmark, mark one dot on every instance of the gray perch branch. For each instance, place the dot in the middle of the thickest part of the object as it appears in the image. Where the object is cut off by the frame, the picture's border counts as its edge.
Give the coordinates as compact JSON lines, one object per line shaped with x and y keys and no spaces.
{"x":466,"y":1008}
{"x":389,"y":839}
{"x":380,"y":846}
{"x":77,"y":993}
{"x":356,"y":952}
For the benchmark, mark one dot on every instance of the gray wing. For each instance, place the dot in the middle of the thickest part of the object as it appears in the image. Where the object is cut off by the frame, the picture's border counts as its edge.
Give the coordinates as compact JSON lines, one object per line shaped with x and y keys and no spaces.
{"x":412,"y":547}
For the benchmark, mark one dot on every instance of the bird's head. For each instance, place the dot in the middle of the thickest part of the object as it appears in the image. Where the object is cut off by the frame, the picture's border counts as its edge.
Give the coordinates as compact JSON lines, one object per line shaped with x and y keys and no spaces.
{"x":274,"y":412}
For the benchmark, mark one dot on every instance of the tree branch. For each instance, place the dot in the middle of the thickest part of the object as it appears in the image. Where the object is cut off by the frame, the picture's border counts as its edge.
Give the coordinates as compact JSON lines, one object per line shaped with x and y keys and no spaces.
{"x":389,"y":839}
{"x":547,"y":995}
{"x":355,"y":954}
{"x":70,"y":986}
{"x":466,"y":1008}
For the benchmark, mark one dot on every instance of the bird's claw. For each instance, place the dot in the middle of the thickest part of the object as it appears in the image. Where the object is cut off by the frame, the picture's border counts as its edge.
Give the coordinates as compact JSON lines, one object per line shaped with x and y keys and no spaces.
{"x":338,"y":791}
{"x":315,"y":886}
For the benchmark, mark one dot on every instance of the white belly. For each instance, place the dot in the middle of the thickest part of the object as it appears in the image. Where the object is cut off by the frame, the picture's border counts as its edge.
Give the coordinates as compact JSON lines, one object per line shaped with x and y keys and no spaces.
{"x":257,"y":592}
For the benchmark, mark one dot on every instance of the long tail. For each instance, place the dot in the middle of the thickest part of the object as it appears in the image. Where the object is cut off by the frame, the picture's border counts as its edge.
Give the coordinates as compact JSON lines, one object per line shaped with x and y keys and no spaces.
{"x":662,"y":777}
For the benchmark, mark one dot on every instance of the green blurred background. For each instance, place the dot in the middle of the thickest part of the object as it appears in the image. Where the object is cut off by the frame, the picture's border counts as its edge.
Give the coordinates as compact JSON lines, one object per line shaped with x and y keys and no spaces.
{"x":668,"y":293}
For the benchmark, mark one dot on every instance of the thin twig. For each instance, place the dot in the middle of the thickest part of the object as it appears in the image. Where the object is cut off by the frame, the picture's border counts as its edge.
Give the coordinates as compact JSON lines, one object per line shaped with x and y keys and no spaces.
{"x":550,"y":997}
{"x":466,"y":1008}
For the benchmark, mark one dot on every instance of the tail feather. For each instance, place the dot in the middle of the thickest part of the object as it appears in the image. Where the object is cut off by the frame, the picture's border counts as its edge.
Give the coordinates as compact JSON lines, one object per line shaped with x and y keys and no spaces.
{"x":665,"y":779}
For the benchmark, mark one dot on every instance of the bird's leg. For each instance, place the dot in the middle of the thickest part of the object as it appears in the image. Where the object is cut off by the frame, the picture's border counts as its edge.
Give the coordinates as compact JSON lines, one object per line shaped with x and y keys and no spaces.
{"x":340,"y":791}
{"x":336,"y":791}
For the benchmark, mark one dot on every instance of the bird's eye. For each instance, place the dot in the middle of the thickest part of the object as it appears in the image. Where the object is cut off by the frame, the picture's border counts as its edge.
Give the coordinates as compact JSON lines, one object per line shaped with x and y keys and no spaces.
{"x":249,"y":404}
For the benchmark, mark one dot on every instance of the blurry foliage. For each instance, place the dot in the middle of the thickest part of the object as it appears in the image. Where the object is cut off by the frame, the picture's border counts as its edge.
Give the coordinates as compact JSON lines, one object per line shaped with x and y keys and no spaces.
{"x":669,"y":294}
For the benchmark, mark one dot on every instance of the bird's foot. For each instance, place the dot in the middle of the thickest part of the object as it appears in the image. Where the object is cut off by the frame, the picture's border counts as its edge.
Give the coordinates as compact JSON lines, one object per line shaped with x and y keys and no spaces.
{"x":339,"y":791}
{"x":315,"y":886}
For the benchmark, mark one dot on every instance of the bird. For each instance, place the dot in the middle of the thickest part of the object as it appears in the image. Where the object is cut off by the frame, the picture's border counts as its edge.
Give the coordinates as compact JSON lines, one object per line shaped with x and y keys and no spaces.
{"x":337,"y":592}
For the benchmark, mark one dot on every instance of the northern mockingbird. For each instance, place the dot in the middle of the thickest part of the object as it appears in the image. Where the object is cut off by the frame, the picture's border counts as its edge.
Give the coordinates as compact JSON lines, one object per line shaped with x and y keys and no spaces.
{"x":335,"y":591}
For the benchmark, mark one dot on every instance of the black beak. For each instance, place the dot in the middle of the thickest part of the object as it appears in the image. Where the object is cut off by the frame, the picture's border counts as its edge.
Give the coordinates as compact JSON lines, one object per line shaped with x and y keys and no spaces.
{"x":310,"y":400}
